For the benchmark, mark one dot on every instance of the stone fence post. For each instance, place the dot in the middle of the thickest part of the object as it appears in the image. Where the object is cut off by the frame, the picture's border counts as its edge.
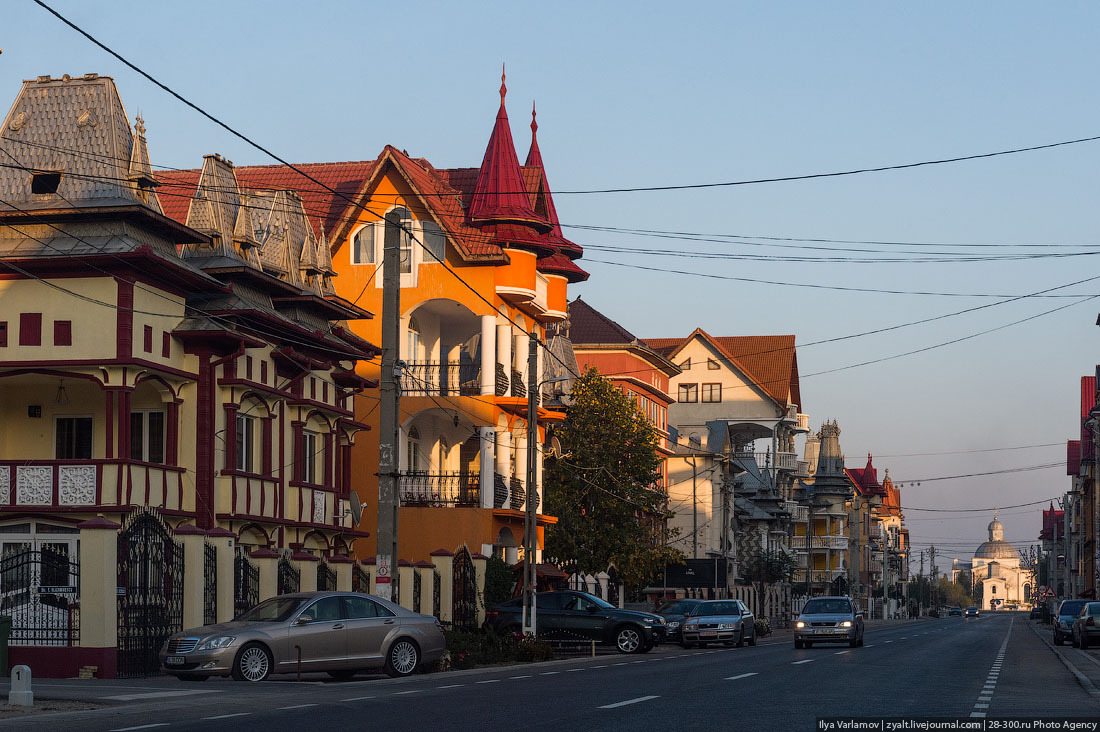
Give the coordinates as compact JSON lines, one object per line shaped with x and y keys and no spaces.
{"x":267,"y":561}
{"x":306,"y":564}
{"x":444,"y":564}
{"x":98,"y":596}
{"x":342,"y":566}
{"x":405,"y":571}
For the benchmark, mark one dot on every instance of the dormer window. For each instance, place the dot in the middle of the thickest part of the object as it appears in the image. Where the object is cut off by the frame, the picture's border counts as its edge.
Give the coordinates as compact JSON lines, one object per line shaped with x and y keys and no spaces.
{"x":45,"y":183}
{"x":368,"y":242}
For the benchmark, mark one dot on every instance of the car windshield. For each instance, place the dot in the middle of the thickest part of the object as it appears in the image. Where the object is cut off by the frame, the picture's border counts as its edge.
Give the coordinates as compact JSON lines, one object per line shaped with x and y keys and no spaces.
{"x":1071,"y":607}
{"x":676,"y":607}
{"x":824,"y":606}
{"x":715,"y":608}
{"x":599,"y":603}
{"x":275,"y":610}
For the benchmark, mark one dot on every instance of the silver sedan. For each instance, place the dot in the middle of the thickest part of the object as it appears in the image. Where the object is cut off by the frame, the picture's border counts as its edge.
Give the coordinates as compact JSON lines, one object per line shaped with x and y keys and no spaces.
{"x":339,"y":633}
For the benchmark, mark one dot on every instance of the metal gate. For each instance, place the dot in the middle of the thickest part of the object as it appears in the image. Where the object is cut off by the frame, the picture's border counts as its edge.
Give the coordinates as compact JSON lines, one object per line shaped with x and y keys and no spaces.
{"x":464,"y":609}
{"x":150,"y":592}
{"x":290,"y":579}
{"x":326,"y":578}
{"x":40,"y":590}
{"x":246,"y":583}
{"x":417,"y":591}
{"x":360,"y":579}
{"x":210,"y":585}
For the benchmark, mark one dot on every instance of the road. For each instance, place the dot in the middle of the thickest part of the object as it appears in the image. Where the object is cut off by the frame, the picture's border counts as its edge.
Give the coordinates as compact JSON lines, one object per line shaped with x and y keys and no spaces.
{"x":994,"y":665}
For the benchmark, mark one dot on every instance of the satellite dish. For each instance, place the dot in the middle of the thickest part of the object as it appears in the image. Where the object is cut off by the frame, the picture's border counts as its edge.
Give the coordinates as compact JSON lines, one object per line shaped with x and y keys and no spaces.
{"x":355,"y":508}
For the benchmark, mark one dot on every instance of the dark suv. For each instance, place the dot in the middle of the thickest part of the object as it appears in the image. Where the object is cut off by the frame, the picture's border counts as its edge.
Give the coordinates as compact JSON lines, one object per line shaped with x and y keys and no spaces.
{"x":1063,"y":620}
{"x":578,"y":616}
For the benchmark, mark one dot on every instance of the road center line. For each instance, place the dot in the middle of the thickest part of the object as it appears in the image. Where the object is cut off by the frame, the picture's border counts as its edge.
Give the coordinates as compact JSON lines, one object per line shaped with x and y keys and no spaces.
{"x":628,"y":701}
{"x":549,"y":673}
{"x":140,"y":726}
{"x":807,"y":660}
{"x":397,"y":693}
{"x":486,"y":681}
{"x":236,"y":714}
{"x":450,"y":686}
{"x":841,"y":653}
{"x":525,"y":676}
{"x":354,"y":698}
{"x":303,"y":706}
{"x":741,"y":676}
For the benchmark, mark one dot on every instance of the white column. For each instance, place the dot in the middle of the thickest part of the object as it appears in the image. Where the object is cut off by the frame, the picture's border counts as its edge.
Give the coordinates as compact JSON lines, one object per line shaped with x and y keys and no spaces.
{"x":488,"y":355}
{"x":504,"y":347}
{"x":523,"y":346}
{"x":504,"y":458}
{"x":521,"y":465}
{"x":488,"y":464}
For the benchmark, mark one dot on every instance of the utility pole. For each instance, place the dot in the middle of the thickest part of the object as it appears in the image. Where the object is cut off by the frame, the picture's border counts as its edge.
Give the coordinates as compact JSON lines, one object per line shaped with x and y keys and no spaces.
{"x":920,"y":585}
{"x":885,"y":572}
{"x":694,"y":514}
{"x":530,"y":583}
{"x":932,"y":572}
{"x":388,"y":498}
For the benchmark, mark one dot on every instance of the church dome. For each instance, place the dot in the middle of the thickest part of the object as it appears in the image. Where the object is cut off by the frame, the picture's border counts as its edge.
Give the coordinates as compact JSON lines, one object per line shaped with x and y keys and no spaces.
{"x":998,"y":549}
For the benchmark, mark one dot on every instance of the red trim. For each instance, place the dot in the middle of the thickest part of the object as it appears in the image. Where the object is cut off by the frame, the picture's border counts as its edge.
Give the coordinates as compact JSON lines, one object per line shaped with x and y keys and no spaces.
{"x":248,"y":367}
{"x":204,"y":448}
{"x":166,"y":344}
{"x":281,"y":495}
{"x":328,"y":462}
{"x":171,"y":452}
{"x":110,"y":435}
{"x":265,"y":431}
{"x":3,"y":334}
{"x":124,"y":424}
{"x":36,"y":366}
{"x":30,"y":329}
{"x":230,"y":437}
{"x":124,"y":319}
{"x":147,"y":332}
{"x":263,"y":371}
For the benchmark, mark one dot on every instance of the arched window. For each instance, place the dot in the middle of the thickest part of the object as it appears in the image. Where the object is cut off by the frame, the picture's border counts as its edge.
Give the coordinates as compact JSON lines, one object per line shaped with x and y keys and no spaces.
{"x":406,"y":222}
{"x":362,"y":245}
{"x":444,"y":453}
{"x":413,"y":454}
{"x":413,"y":354}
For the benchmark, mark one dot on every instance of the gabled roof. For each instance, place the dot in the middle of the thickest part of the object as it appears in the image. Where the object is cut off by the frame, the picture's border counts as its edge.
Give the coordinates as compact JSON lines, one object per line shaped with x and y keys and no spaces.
{"x":768,"y":361}
{"x":1053,"y":523}
{"x":588,"y":325}
{"x":865,"y":479}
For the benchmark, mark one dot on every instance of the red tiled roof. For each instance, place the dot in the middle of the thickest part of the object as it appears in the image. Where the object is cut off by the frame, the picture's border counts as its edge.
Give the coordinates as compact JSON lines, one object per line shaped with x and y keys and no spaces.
{"x":1053,"y":524}
{"x":769,"y":361}
{"x":1088,"y":401}
{"x":177,"y":188}
{"x":1073,"y":457}
{"x":866,"y":478}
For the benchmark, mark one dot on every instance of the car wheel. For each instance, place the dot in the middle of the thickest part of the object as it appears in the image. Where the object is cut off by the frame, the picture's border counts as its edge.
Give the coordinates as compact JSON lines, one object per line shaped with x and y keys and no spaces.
{"x":191,"y":677}
{"x":253,"y":663}
{"x":853,"y":642}
{"x":1057,"y":638}
{"x":752,"y":637}
{"x":628,"y":639}
{"x":741,"y":638}
{"x":797,"y":644}
{"x":648,"y":647}
{"x":343,"y":673}
{"x":403,"y":658}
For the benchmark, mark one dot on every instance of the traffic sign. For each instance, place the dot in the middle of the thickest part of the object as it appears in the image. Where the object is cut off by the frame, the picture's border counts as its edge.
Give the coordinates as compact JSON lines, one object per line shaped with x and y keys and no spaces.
{"x":1049,"y":594}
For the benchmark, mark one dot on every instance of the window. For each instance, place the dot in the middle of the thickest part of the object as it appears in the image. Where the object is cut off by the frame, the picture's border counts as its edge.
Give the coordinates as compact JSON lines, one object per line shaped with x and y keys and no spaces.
{"x":712,"y":364}
{"x":74,"y":438}
{"x":434,"y":241}
{"x":147,"y":436}
{"x":361,"y":607}
{"x":688,"y":393}
{"x":4,"y":334}
{"x":362,"y":245}
{"x":405,"y":238}
{"x":310,"y":447}
{"x":686,"y":365}
{"x":412,"y":463}
{"x":62,"y":332}
{"x":413,"y":353}
{"x":148,"y":338}
{"x":166,"y":344}
{"x":326,"y":609}
{"x":712,"y":393}
{"x":45,"y":183}
{"x":30,"y":329}
{"x":246,"y":443}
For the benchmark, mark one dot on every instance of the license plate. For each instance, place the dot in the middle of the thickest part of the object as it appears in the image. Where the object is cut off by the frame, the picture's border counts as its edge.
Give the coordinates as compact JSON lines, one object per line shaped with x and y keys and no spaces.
{"x":708,"y":634}
{"x":175,"y":661}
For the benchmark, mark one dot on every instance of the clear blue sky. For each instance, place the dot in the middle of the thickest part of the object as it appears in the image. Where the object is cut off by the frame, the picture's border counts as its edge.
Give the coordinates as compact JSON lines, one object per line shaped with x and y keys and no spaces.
{"x":651,"y":93}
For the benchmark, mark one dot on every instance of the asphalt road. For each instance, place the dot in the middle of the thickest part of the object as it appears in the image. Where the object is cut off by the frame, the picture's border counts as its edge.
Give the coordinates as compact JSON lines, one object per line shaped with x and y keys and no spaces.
{"x":994,"y":665}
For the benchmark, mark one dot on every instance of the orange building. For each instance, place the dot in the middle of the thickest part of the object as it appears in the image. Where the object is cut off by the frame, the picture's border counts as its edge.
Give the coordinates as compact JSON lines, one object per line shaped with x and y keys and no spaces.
{"x":486,"y":264}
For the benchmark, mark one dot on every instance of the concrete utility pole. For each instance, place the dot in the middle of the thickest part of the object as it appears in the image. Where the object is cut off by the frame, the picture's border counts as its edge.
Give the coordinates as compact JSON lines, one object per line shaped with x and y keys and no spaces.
{"x":530,"y":582}
{"x":388,"y":498}
{"x":920,"y":585}
{"x":932,"y":572}
{"x":694,"y":514}
{"x":885,"y":572}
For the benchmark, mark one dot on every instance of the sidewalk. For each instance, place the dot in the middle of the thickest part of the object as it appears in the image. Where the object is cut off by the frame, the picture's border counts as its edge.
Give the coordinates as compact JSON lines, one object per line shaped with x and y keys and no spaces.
{"x":1084,"y":665}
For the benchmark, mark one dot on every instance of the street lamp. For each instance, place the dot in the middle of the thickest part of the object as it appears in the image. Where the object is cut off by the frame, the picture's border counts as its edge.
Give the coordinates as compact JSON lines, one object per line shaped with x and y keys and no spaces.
{"x":530,"y":582}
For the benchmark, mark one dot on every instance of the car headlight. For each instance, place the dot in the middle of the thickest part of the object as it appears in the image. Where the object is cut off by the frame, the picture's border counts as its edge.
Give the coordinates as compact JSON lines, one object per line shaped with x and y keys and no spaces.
{"x":673,"y":624}
{"x":800,"y":624}
{"x":221,"y":641}
{"x":846,"y":624}
{"x":726,"y":626}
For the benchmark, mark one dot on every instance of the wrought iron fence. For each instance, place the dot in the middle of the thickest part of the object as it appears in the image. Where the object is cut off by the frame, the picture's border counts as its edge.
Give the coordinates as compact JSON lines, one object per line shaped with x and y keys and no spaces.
{"x":290,"y":579}
{"x":40,"y":590}
{"x":464,"y":591}
{"x":246,"y":583}
{"x":360,"y":579}
{"x":150,"y":592}
{"x":417,"y":591}
{"x":500,"y":491}
{"x":326,"y":577}
{"x":519,"y":389}
{"x":210,"y":585}
{"x":437,"y":586}
{"x":429,"y":378}
{"x":517,"y":492}
{"x":440,"y":489}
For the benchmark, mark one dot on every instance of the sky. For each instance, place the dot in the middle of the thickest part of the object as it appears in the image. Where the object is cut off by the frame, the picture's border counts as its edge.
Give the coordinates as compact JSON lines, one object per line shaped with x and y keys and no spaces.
{"x":648,"y":94}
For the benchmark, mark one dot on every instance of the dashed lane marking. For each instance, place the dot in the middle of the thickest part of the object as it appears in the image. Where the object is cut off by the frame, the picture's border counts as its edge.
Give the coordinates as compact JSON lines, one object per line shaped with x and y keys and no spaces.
{"x":602,"y":665}
{"x":450,"y":686}
{"x":159,"y":694}
{"x":414,"y":691}
{"x":741,"y":676}
{"x":353,"y":698}
{"x":141,"y":726}
{"x":628,"y":701}
{"x":525,"y":676}
{"x":238,"y":714}
{"x":303,"y":706}
{"x":486,"y":681}
{"x":806,"y":660}
{"x":841,"y":653}
{"x":549,"y":673}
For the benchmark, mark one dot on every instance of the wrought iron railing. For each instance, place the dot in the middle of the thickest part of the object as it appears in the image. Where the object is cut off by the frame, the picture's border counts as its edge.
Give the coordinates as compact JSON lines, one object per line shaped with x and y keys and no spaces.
{"x":820,"y":542}
{"x":289,"y":578}
{"x":517,"y":492}
{"x":501,"y":381}
{"x":519,"y":389}
{"x":246,"y":583}
{"x":40,"y":590}
{"x":326,"y":577}
{"x":440,"y":489}
{"x":500,"y":490}
{"x":360,"y":579}
{"x":210,"y":584}
{"x":430,"y":378}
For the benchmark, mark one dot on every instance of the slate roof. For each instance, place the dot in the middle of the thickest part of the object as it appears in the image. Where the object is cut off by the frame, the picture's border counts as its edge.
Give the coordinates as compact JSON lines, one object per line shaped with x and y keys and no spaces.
{"x":769,"y":361}
{"x":589,"y":326}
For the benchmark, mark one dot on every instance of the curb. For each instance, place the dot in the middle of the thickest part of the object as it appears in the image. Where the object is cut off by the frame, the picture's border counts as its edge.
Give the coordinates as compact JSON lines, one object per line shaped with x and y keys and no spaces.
{"x":1084,"y":681}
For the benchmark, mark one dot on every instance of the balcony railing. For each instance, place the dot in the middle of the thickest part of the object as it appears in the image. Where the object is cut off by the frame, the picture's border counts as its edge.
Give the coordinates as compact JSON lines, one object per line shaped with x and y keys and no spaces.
{"x":781,"y":460}
{"x":429,"y":378}
{"x":63,"y":483}
{"x":517,"y":493}
{"x":440,"y":489}
{"x":799,"y":514}
{"x":820,"y":542}
{"x":802,"y":469}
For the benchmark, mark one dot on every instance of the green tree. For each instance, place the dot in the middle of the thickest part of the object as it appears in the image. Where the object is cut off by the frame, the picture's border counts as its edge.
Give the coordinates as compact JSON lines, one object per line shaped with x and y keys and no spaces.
{"x":761,"y":567}
{"x":499,"y":581}
{"x":604,"y":488}
{"x":952,"y":593}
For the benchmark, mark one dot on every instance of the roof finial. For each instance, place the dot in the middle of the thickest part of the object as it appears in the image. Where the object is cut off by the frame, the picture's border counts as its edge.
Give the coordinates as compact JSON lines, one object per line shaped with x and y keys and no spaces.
{"x":503,"y":88}
{"x":139,"y":124}
{"x":534,"y":124}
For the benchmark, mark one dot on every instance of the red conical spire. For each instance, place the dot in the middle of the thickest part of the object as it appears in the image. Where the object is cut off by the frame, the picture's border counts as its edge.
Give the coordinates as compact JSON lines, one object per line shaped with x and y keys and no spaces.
{"x":534,"y":160}
{"x":499,"y":194}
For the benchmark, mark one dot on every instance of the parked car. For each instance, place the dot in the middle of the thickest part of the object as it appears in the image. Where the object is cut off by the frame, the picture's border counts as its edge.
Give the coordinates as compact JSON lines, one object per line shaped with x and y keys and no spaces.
{"x":675,"y":612}
{"x":721,"y":621}
{"x":1063,"y":619}
{"x":1086,"y":626}
{"x":954,"y":611}
{"x":339,"y":633}
{"x":973,"y":612}
{"x":578,"y":616}
{"x":1036,"y":613}
{"x":829,"y":620}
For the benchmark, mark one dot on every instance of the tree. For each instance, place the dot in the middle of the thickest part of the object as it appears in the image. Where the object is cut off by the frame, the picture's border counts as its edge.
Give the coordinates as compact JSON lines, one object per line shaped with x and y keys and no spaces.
{"x":761,"y":567}
{"x":604,"y":488}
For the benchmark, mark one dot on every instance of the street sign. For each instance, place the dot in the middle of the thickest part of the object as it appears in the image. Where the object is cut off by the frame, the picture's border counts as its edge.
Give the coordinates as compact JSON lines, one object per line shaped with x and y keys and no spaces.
{"x":56,"y":590}
{"x":1049,"y":594}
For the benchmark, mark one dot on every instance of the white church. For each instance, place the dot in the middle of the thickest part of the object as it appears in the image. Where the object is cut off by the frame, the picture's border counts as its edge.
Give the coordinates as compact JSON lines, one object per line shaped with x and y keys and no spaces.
{"x":996,"y":569}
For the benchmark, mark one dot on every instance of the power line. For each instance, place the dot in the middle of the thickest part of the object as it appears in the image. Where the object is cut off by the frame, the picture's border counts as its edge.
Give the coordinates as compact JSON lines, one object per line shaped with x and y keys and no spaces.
{"x":970,"y":452}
